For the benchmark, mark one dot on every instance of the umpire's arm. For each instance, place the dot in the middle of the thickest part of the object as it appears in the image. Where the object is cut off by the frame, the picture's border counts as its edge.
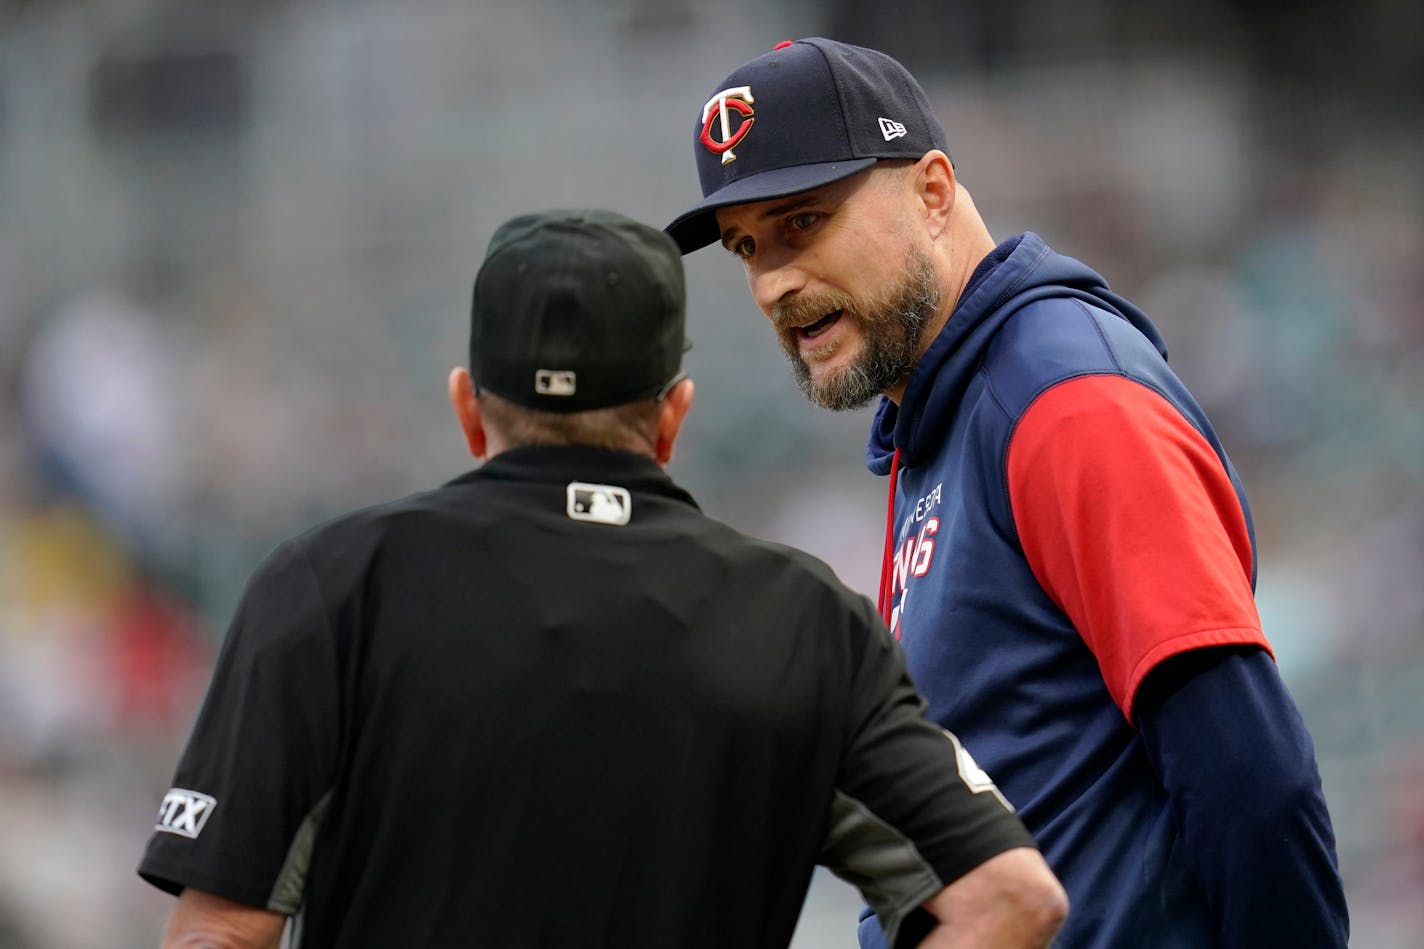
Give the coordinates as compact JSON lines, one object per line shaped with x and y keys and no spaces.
{"x":916,"y":824}
{"x":1008,"y":901}
{"x":203,"y":921}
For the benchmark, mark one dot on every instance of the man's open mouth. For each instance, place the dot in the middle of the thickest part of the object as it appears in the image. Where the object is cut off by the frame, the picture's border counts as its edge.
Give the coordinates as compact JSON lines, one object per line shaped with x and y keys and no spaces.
{"x":812,"y":330}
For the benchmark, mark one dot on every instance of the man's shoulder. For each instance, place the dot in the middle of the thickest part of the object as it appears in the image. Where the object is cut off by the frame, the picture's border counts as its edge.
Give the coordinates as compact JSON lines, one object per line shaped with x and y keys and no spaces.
{"x":1056,"y":338}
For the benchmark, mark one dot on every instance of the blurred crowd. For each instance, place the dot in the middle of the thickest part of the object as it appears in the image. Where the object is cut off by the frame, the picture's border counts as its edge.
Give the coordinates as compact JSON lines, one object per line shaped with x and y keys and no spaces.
{"x":236,"y":243}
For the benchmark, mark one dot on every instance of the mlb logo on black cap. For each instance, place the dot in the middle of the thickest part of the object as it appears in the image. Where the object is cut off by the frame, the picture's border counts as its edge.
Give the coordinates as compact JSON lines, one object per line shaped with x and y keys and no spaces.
{"x":596,"y":294}
{"x":556,"y":382}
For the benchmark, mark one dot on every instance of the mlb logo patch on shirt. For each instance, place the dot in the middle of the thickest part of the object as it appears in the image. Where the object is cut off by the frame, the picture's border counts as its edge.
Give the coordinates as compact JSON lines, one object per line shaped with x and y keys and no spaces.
{"x":184,"y":812}
{"x":599,"y":503}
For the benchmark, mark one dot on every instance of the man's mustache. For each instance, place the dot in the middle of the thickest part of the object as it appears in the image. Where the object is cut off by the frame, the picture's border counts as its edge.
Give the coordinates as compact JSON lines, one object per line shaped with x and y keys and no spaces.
{"x":804,"y":310}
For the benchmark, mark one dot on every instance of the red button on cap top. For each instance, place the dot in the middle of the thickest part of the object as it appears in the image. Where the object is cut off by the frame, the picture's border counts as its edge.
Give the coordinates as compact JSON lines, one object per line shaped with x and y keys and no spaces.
{"x":782,"y":45}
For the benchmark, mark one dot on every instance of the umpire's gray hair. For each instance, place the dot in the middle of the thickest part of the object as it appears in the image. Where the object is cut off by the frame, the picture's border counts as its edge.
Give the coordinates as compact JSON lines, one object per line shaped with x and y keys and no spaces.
{"x":632,"y":426}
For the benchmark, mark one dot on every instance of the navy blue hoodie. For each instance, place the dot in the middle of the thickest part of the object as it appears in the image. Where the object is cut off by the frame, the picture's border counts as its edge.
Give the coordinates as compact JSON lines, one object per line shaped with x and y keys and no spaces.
{"x":1066,"y":528}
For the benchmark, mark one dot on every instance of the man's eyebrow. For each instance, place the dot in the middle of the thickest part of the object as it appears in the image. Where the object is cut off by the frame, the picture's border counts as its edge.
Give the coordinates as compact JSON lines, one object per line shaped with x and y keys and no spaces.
{"x":786,"y":207}
{"x":796,"y":203}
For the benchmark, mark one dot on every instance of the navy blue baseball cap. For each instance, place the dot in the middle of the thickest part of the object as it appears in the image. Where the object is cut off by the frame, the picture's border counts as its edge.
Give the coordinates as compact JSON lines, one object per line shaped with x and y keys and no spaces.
{"x":806,"y":114}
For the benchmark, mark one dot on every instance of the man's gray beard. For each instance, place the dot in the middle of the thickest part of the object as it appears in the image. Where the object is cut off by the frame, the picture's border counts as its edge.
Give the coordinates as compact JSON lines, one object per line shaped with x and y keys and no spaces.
{"x":891,"y":326}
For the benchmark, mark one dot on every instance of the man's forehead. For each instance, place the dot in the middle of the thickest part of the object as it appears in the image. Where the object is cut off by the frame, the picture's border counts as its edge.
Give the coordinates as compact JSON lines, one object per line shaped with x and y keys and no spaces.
{"x":740,"y":215}
{"x":734,"y":214}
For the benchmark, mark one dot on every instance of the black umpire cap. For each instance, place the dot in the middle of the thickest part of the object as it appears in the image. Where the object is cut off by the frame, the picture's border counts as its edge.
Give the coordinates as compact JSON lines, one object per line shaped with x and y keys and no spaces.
{"x":577,"y":310}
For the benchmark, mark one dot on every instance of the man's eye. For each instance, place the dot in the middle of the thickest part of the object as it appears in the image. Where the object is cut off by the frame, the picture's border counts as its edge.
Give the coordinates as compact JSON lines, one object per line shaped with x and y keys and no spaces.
{"x":799,"y":222}
{"x":744,"y":247}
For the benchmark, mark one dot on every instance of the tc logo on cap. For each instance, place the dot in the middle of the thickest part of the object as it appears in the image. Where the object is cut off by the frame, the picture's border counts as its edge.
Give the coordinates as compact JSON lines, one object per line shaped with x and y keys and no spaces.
{"x":555,"y":381}
{"x":737,"y":99}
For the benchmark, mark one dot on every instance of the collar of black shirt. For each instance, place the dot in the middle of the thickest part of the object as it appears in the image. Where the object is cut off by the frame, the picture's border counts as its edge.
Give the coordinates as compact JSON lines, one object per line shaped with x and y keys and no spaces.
{"x":564,"y":463}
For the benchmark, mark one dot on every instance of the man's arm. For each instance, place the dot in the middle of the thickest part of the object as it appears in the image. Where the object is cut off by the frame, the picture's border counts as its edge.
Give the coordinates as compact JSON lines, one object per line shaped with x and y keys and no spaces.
{"x":1012,"y":901}
{"x":1229,"y":744}
{"x":204,"y":921}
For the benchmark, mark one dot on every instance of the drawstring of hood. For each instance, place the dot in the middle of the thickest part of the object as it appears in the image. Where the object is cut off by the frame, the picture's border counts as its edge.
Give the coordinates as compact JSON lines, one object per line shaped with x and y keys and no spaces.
{"x":887,"y":569}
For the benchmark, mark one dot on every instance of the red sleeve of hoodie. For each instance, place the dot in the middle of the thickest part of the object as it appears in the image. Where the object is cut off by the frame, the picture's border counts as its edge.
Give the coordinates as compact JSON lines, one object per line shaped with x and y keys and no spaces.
{"x":1131,"y":524}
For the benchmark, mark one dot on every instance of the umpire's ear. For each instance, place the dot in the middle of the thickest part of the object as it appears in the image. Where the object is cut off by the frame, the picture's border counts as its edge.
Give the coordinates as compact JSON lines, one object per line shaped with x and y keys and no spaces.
{"x":467,"y":411}
{"x":674,"y":408}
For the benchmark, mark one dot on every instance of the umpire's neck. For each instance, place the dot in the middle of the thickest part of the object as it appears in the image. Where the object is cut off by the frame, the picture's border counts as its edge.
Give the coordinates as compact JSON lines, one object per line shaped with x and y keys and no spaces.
{"x":492,"y":425}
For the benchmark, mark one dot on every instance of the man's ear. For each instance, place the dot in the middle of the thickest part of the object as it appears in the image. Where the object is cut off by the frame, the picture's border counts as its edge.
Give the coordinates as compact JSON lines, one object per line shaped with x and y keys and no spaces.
{"x":467,"y":411}
{"x":673,"y":410}
{"x":936,"y":188}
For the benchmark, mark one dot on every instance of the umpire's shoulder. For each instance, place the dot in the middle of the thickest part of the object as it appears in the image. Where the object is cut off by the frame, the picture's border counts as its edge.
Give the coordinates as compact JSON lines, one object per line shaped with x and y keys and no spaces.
{"x":761,"y":561}
{"x":354,"y":537}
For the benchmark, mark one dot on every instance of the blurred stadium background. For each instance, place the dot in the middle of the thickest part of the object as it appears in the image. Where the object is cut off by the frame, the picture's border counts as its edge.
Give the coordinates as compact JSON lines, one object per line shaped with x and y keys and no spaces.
{"x":236,"y":246}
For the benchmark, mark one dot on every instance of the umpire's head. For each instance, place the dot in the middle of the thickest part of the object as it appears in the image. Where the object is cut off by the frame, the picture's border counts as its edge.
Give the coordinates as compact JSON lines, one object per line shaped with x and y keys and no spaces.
{"x":576,"y":337}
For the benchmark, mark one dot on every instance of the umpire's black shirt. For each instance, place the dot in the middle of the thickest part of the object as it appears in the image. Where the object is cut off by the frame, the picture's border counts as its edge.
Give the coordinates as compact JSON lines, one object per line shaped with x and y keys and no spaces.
{"x":553,"y":704}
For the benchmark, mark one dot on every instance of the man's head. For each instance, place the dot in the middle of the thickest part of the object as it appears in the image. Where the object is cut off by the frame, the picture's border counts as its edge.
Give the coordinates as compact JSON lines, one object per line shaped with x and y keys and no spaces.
{"x":576,"y":337}
{"x":824,"y":171}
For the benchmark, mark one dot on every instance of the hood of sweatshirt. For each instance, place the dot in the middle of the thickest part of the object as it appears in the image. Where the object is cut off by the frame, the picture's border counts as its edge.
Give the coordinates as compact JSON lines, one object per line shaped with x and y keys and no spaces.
{"x":1027,"y":270}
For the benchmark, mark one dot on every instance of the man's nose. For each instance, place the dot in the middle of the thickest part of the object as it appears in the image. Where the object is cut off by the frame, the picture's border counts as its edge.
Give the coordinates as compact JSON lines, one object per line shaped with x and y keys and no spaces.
{"x":776,"y":284}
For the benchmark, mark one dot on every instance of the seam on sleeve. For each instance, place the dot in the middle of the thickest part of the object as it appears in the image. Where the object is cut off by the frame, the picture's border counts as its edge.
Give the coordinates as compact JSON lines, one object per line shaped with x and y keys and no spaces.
{"x":871,"y":855}
{"x":1186,"y":642}
{"x":291,"y":883}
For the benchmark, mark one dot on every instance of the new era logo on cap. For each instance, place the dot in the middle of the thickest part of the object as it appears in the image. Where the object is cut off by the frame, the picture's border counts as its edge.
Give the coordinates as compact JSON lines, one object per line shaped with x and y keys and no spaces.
{"x":556,"y":382}
{"x":891,"y":129}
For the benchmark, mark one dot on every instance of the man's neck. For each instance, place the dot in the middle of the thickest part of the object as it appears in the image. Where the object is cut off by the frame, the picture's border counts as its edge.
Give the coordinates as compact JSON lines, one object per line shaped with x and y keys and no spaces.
{"x":964,"y":258}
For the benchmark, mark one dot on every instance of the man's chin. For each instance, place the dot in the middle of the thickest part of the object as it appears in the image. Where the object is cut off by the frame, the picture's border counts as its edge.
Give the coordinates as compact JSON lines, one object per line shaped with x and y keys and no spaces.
{"x":840,"y":391}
